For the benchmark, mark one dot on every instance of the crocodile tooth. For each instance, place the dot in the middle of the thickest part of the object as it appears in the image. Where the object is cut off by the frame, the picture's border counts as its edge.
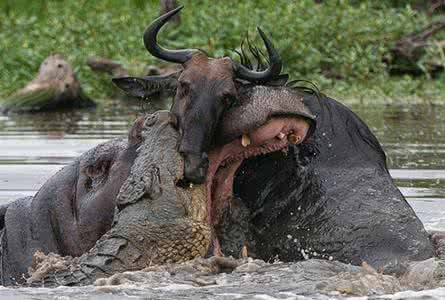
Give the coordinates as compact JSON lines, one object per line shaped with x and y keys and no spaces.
{"x":244,"y":253}
{"x":245,"y":140}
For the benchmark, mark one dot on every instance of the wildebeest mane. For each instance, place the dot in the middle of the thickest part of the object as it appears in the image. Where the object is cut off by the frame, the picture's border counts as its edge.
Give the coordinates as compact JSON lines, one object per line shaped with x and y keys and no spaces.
{"x":255,"y":59}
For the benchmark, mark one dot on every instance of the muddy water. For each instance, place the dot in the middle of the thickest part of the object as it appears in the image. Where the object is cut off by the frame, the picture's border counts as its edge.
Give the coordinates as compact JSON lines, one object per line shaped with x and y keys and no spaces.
{"x":33,"y":147}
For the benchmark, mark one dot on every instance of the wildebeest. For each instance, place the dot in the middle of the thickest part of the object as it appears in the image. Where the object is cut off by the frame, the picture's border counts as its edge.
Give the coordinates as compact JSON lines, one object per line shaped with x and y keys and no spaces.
{"x":205,"y":88}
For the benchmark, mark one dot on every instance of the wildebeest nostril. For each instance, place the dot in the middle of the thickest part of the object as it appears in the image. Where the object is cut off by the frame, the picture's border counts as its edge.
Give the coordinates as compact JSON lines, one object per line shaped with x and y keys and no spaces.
{"x":195,"y":167}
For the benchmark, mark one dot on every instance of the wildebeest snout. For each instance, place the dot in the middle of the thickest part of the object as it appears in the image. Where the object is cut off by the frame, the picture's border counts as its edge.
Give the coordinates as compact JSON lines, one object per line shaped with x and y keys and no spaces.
{"x":195,"y":167}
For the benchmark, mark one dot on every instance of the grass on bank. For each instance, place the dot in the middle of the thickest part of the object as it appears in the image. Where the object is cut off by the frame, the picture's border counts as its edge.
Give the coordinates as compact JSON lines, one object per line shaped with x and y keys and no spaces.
{"x":339,"y":45}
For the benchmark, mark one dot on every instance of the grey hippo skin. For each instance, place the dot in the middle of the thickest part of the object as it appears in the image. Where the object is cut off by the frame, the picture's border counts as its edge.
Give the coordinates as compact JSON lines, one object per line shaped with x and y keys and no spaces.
{"x":157,"y":221}
{"x":69,"y":213}
{"x":329,"y":197}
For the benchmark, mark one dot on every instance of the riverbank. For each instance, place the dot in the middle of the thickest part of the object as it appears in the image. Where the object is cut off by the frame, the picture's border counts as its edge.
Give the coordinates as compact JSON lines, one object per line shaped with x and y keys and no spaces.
{"x":338,"y":46}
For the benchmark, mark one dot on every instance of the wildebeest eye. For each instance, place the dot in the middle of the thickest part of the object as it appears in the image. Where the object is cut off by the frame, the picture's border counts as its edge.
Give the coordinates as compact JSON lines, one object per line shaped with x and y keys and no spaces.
{"x":183,"y":88}
{"x":184,"y":85}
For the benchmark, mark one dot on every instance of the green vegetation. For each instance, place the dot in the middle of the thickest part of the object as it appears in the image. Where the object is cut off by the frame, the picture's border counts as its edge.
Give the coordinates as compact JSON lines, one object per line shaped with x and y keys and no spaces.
{"x":339,"y":45}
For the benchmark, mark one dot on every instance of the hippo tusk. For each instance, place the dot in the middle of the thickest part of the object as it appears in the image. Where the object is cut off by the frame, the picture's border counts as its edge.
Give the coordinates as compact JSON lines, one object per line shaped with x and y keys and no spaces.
{"x":281,"y":136}
{"x":293,"y":138}
{"x":245,"y":140}
{"x":244,"y":253}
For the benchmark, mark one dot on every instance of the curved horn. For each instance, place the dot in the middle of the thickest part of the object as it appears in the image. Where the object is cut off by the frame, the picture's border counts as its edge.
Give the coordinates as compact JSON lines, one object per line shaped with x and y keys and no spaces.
{"x":176,"y":56}
{"x":272,"y":71}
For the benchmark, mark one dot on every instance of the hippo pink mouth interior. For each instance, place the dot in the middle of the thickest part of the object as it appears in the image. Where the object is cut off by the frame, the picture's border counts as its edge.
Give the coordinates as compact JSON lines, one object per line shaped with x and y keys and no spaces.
{"x":275,"y":135}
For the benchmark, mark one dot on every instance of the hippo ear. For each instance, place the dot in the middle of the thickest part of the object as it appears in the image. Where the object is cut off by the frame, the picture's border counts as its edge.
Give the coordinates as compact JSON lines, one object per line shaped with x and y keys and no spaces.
{"x":143,"y":87}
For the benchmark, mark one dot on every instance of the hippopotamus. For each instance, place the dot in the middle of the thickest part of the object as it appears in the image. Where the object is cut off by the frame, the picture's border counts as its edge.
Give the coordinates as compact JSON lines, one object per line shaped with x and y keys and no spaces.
{"x":76,"y":207}
{"x":158,"y":220}
{"x":331,"y":197}
{"x":131,"y":181}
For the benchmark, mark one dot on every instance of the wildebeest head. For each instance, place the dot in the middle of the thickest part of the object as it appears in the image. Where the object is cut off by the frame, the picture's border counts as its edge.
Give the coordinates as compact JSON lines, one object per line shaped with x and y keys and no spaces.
{"x":204,"y":89}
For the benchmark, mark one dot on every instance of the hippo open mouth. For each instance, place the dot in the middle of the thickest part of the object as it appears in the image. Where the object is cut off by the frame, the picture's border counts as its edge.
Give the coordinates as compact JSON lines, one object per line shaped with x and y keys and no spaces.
{"x":275,"y":135}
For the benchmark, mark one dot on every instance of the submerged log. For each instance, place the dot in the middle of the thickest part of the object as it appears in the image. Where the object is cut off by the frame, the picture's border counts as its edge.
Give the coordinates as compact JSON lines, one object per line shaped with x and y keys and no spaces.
{"x":55,"y":87}
{"x":408,"y":51}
